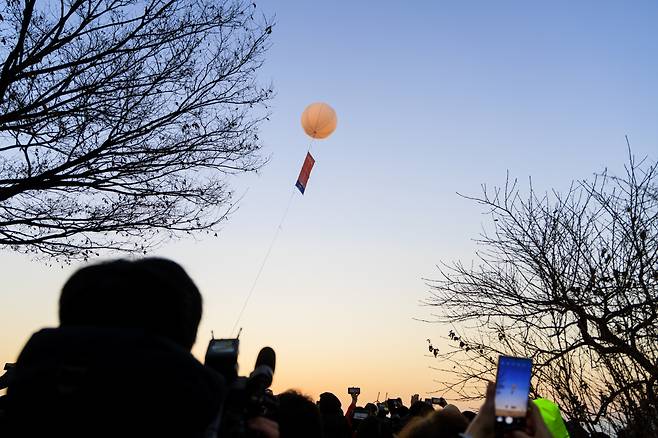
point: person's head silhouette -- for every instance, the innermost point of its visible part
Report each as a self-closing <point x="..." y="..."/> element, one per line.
<point x="151" y="294"/>
<point x="120" y="362"/>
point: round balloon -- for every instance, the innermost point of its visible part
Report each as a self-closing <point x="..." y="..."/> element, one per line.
<point x="319" y="120"/>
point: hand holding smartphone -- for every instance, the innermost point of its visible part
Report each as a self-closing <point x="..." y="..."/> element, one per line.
<point x="512" y="390"/>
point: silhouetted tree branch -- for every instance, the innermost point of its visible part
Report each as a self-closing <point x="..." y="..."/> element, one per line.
<point x="570" y="280"/>
<point x="120" y="120"/>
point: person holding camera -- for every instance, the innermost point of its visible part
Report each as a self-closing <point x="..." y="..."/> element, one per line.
<point x="119" y="364"/>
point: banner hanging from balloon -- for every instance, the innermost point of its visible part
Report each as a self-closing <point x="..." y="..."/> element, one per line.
<point x="319" y="121"/>
<point x="305" y="173"/>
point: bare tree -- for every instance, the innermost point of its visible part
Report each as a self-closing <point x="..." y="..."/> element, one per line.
<point x="571" y="280"/>
<point x="120" y="120"/>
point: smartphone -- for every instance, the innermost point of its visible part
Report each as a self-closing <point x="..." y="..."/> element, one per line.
<point x="360" y="414"/>
<point x="354" y="390"/>
<point x="439" y="401"/>
<point x="512" y="389"/>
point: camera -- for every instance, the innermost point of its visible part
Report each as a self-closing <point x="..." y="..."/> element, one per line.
<point x="393" y="404"/>
<point x="358" y="416"/>
<point x="354" y="390"/>
<point x="247" y="397"/>
<point x="439" y="401"/>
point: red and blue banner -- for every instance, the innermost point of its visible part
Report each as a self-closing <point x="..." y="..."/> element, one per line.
<point x="305" y="173"/>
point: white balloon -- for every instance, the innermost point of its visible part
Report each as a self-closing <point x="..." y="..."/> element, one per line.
<point x="319" y="120"/>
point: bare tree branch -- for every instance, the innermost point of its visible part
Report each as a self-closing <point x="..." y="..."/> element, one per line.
<point x="122" y="119"/>
<point x="570" y="280"/>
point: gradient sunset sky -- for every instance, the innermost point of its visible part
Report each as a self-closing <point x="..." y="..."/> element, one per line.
<point x="433" y="98"/>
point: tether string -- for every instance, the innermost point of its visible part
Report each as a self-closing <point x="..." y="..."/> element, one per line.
<point x="269" y="251"/>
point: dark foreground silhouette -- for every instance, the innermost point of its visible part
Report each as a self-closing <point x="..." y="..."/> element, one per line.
<point x="119" y="365"/>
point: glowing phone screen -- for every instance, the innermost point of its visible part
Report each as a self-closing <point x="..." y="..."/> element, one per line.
<point x="512" y="388"/>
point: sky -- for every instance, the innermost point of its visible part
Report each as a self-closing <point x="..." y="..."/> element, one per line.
<point x="433" y="98"/>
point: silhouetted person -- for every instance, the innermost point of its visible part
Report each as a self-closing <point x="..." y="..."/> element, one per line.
<point x="420" y="409"/>
<point x="446" y="423"/>
<point x="576" y="430"/>
<point x="470" y="415"/>
<point x="298" y="416"/>
<point x="403" y="415"/>
<point x="373" y="427"/>
<point x="372" y="409"/>
<point x="119" y="365"/>
<point x="333" y="422"/>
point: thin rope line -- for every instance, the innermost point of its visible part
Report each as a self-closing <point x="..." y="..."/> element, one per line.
<point x="269" y="250"/>
<point x="262" y="265"/>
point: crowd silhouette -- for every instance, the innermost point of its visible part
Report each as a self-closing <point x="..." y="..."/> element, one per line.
<point x="119" y="365"/>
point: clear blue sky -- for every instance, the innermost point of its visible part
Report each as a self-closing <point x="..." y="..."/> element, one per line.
<point x="432" y="98"/>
